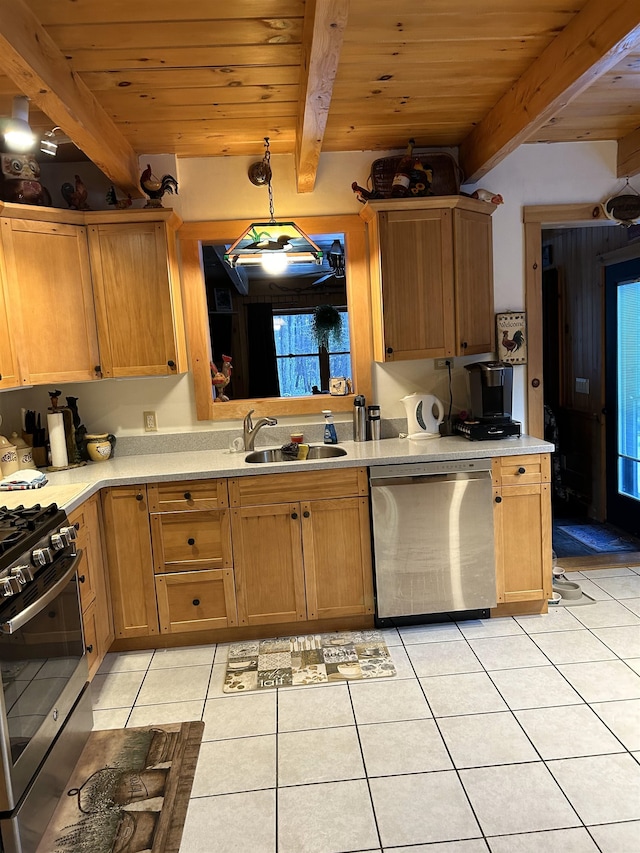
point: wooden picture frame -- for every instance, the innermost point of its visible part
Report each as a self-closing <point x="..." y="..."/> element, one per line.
<point x="511" y="337"/>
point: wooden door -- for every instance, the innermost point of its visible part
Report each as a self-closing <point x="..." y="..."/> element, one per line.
<point x="337" y="557"/>
<point x="9" y="369"/>
<point x="522" y="526"/>
<point x="473" y="276"/>
<point x="267" y="559"/>
<point x="416" y="258"/>
<point x="135" y="303"/>
<point x="48" y="270"/>
<point x="130" y="562"/>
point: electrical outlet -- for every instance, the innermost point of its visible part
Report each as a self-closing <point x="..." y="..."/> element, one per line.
<point x="150" y="422"/>
<point x="442" y="363"/>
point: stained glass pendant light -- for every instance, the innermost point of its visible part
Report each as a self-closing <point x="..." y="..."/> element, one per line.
<point x="272" y="244"/>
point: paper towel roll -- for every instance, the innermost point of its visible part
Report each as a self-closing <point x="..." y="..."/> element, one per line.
<point x="57" y="440"/>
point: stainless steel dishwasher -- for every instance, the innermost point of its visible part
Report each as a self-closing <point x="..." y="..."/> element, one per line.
<point x="433" y="538"/>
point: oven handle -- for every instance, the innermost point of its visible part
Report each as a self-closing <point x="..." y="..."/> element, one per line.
<point x="13" y="625"/>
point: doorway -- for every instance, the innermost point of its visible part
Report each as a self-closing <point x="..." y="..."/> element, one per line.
<point x="566" y="370"/>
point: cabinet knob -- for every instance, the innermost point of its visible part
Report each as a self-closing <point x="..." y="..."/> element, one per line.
<point x="98" y="368"/>
<point x="464" y="344"/>
<point x="196" y="602"/>
<point x="77" y="525"/>
<point x="139" y="497"/>
<point x="81" y="578"/>
<point x="89" y="649"/>
<point x="389" y="350"/>
<point x="294" y="515"/>
<point x="522" y="470"/>
<point x="535" y="383"/>
<point x="0" y="377"/>
<point x="498" y="499"/>
<point x="187" y="496"/>
<point x="171" y="364"/>
<point x="306" y="513"/>
<point x="191" y="541"/>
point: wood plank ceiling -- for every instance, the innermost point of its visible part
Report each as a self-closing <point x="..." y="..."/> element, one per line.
<point x="204" y="79"/>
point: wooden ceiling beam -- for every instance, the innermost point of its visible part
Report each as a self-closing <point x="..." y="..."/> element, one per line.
<point x="594" y="41"/>
<point x="39" y="70"/>
<point x="629" y="154"/>
<point x="323" y="33"/>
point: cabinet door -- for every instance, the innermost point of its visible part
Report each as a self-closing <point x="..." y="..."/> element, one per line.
<point x="522" y="525"/>
<point x="131" y="576"/>
<point x="267" y="560"/>
<point x="48" y="270"/>
<point x="337" y="558"/>
<point x="9" y="371"/>
<point x="137" y="301"/>
<point x="473" y="276"/>
<point x="416" y="257"/>
<point x="196" y="601"/>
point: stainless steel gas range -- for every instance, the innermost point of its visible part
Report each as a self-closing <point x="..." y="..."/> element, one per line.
<point x="45" y="705"/>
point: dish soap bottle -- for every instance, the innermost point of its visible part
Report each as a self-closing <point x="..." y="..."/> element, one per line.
<point x="330" y="435"/>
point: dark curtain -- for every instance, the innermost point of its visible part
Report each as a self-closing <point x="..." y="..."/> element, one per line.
<point x="263" y="373"/>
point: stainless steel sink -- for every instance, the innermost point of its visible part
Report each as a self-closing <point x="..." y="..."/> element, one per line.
<point x="316" y="451"/>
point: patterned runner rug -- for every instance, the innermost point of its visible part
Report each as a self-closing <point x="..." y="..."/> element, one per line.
<point x="313" y="659"/>
<point x="129" y="792"/>
<point x="599" y="538"/>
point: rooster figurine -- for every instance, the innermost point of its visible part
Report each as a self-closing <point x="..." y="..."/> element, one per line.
<point x="512" y="344"/>
<point x="220" y="379"/>
<point x="118" y="203"/>
<point x="155" y="188"/>
<point x="76" y="197"/>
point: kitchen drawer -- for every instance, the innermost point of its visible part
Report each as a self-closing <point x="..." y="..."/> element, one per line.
<point x="196" y="601"/>
<point x="520" y="470"/>
<point x="187" y="495"/>
<point x="298" y="486"/>
<point x="183" y="541"/>
<point x="86" y="580"/>
<point x="90" y="631"/>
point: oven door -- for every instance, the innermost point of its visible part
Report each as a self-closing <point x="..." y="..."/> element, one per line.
<point x="44" y="670"/>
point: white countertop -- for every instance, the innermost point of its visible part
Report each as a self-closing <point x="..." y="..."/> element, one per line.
<point x="70" y="488"/>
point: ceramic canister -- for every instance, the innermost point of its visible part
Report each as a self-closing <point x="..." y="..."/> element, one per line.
<point x="8" y="457"/>
<point x="24" y="452"/>
<point x="98" y="447"/>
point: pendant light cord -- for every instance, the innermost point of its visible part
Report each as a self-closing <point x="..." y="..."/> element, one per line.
<point x="267" y="163"/>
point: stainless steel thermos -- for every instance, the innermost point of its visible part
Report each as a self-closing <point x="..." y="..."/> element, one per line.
<point x="359" y="418"/>
<point x="374" y="422"/>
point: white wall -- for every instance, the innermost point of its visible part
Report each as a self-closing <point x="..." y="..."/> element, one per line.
<point x="218" y="188"/>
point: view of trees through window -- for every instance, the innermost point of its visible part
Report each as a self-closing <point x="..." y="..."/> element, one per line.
<point x="304" y="367"/>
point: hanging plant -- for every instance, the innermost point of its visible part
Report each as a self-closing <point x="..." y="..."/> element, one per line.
<point x="326" y="325"/>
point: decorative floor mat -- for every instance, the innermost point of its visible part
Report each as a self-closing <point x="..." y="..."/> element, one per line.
<point x="128" y="793"/>
<point x="314" y="659"/>
<point x="594" y="536"/>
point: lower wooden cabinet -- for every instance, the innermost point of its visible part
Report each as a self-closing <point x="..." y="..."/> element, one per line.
<point x="196" y="601"/>
<point x="305" y="559"/>
<point x="522" y="525"/>
<point x="131" y="576"/>
<point x="95" y="599"/>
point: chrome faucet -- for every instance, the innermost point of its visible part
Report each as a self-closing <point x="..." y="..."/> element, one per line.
<point x="250" y="431"/>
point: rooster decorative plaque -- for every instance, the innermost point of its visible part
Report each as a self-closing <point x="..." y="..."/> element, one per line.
<point x="511" y="337"/>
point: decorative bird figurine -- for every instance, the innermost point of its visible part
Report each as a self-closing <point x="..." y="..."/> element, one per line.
<point x="76" y="197"/>
<point x="118" y="203"/>
<point x="487" y="195"/>
<point x="155" y="188"/>
<point x="282" y="242"/>
<point x="220" y="379"/>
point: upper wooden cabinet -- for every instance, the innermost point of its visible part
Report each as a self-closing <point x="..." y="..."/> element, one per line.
<point x="432" y="277"/>
<point x="137" y="295"/>
<point x="49" y="290"/>
<point x="88" y="294"/>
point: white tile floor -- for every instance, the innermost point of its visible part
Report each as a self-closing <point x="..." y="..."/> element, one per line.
<point x="512" y="735"/>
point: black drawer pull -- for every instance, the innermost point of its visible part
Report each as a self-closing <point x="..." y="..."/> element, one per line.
<point x="98" y="368"/>
<point x="522" y="470"/>
<point x="196" y="602"/>
<point x="81" y="578"/>
<point x="389" y="350"/>
<point x="187" y="496"/>
<point x="77" y="525"/>
<point x="464" y="344"/>
<point x="294" y="515"/>
<point x="171" y="364"/>
<point x="191" y="541"/>
<point x="139" y="497"/>
<point x="89" y="649"/>
<point x="306" y="513"/>
<point x="498" y="500"/>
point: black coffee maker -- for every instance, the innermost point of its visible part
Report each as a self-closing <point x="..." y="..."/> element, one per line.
<point x="491" y="387"/>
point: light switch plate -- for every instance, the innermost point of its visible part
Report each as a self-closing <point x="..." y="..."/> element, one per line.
<point x="150" y="422"/>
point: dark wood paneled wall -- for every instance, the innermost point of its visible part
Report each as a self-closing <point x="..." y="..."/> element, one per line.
<point x="574" y="254"/>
